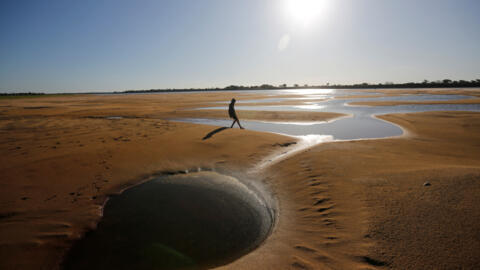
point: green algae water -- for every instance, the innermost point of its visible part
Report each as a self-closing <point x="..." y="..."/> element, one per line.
<point x="191" y="221"/>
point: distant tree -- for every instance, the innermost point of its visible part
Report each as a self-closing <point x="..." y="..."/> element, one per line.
<point x="305" y="85"/>
<point x="283" y="85"/>
<point x="425" y="82"/>
<point x="447" y="81"/>
<point x="267" y="86"/>
<point x="232" y="87"/>
<point x="295" y="85"/>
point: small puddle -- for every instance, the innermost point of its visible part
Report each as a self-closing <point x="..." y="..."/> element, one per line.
<point x="114" y="117"/>
<point x="192" y="221"/>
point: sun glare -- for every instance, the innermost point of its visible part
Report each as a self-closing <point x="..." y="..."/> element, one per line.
<point x="306" y="12"/>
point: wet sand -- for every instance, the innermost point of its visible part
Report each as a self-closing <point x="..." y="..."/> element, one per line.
<point x="474" y="93"/>
<point x="394" y="103"/>
<point x="279" y="116"/>
<point x="342" y="205"/>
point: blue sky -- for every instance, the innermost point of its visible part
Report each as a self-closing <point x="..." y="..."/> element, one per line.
<point x="62" y="45"/>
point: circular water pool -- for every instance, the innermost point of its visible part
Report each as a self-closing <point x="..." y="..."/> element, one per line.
<point x="192" y="221"/>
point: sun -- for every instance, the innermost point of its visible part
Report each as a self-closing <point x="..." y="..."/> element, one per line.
<point x="305" y="12"/>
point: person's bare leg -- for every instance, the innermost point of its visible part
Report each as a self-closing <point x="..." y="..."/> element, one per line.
<point x="233" y="123"/>
<point x="238" y="121"/>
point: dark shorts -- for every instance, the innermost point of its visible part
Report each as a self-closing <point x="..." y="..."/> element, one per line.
<point x="233" y="115"/>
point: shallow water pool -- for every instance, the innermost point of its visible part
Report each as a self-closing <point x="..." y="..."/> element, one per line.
<point x="192" y="221"/>
<point x="362" y="123"/>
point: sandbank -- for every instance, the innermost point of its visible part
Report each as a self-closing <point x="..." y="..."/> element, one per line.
<point x="342" y="205"/>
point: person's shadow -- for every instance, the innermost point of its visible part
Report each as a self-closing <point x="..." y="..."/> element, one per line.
<point x="213" y="132"/>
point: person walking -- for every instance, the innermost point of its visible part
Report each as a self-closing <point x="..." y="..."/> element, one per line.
<point x="233" y="114"/>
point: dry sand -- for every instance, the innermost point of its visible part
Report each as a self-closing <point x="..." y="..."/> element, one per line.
<point x="343" y="205"/>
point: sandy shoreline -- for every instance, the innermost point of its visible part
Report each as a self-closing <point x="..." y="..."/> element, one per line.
<point x="394" y="103"/>
<point x="280" y="116"/>
<point x="344" y="205"/>
<point x="473" y="93"/>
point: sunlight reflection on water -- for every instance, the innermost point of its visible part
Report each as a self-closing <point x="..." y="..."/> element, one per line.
<point x="360" y="125"/>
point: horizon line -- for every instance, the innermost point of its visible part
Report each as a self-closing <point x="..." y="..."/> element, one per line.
<point x="444" y="83"/>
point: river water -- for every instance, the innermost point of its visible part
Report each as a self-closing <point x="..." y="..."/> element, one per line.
<point x="360" y="124"/>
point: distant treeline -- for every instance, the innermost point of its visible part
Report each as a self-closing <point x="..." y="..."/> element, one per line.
<point x="446" y="83"/>
<point x="425" y="84"/>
